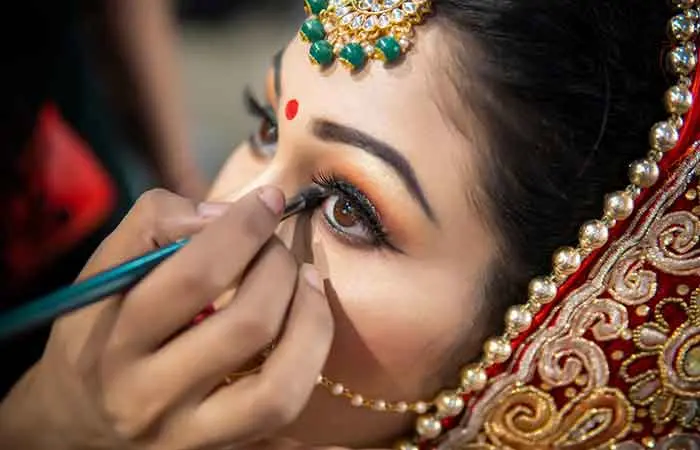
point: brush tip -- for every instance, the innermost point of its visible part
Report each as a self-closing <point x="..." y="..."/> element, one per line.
<point x="313" y="195"/>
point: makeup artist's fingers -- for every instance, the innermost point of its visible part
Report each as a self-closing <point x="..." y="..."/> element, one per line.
<point x="157" y="218"/>
<point x="209" y="264"/>
<point x="236" y="333"/>
<point x="256" y="406"/>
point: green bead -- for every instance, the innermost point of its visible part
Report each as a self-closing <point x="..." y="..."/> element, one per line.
<point x="389" y="48"/>
<point x="315" y="6"/>
<point x="321" y="53"/>
<point x="353" y="56"/>
<point x="312" y="30"/>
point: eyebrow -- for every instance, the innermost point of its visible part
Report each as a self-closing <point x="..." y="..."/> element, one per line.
<point x="334" y="132"/>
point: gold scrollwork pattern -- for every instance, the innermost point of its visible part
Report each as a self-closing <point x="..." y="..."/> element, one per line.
<point x="671" y="384"/>
<point x="573" y="355"/>
<point x="605" y="318"/>
<point x="529" y="419"/>
<point x="617" y="365"/>
<point x="676" y="441"/>
<point x="630" y="283"/>
<point x="565" y="359"/>
<point x="673" y="244"/>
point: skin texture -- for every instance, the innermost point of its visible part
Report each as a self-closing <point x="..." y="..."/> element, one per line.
<point x="404" y="321"/>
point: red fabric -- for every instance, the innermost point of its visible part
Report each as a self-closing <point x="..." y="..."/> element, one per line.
<point x="66" y="195"/>
<point x="689" y="134"/>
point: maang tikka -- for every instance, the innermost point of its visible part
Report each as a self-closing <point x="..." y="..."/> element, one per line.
<point x="354" y="31"/>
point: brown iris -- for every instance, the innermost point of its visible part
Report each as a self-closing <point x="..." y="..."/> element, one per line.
<point x="267" y="133"/>
<point x="344" y="213"/>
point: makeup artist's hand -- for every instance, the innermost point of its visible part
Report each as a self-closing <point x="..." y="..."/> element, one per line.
<point x="123" y="373"/>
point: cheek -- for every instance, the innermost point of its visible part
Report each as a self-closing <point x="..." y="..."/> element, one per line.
<point x="391" y="333"/>
<point x="241" y="167"/>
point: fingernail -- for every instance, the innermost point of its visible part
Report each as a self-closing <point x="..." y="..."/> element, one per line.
<point x="312" y="277"/>
<point x="212" y="209"/>
<point x="273" y="199"/>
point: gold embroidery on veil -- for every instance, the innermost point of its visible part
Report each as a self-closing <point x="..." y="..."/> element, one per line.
<point x="562" y="392"/>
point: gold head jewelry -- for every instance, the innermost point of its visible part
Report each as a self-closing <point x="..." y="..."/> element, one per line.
<point x="354" y="31"/>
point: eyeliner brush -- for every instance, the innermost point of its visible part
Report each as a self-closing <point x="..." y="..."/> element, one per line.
<point x="309" y="198"/>
<point x="93" y="289"/>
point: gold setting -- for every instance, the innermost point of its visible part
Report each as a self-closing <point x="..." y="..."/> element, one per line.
<point x="378" y="29"/>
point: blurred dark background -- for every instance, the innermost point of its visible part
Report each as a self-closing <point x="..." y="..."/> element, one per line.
<point x="225" y="45"/>
<point x="76" y="145"/>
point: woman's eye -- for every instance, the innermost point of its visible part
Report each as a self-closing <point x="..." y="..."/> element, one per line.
<point x="264" y="140"/>
<point x="344" y="219"/>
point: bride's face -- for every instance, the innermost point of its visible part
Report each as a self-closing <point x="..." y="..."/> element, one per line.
<point x="406" y="248"/>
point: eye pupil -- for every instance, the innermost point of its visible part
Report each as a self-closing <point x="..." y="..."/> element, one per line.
<point x="344" y="213"/>
<point x="267" y="132"/>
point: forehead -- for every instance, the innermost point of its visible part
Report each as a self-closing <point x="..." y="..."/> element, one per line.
<point x="373" y="92"/>
<point x="401" y="105"/>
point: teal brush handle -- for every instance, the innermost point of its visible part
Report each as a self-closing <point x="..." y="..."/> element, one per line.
<point x="83" y="293"/>
<point x="91" y="290"/>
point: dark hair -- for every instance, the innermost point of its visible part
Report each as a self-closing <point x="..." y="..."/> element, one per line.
<point x="567" y="92"/>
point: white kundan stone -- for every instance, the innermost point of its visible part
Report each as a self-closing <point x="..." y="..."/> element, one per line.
<point x="397" y="15"/>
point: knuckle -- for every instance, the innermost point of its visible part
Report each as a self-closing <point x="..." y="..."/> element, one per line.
<point x="158" y="205"/>
<point x="190" y="282"/>
<point x="278" y="410"/>
<point x="131" y="419"/>
<point x="196" y="283"/>
<point x="78" y="365"/>
<point x="144" y="214"/>
<point x="151" y="199"/>
<point x="129" y="423"/>
<point x="118" y="344"/>
<point x="216" y="280"/>
<point x="128" y="429"/>
<point x="258" y="330"/>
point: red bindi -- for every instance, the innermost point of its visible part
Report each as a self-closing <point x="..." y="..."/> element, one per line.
<point x="291" y="110"/>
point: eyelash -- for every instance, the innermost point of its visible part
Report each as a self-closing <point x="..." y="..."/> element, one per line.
<point x="264" y="146"/>
<point x="362" y="207"/>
